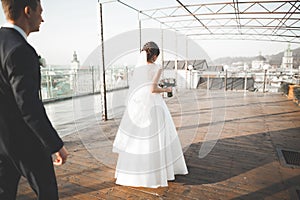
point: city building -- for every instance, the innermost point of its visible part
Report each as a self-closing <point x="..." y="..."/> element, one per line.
<point x="259" y="62"/>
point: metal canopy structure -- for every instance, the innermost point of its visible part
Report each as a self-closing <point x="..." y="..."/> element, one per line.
<point x="265" y="20"/>
<point x="227" y="20"/>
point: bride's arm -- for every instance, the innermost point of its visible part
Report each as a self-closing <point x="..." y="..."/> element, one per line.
<point x="155" y="88"/>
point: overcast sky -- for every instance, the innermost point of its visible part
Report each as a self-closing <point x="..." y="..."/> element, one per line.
<point x="73" y="25"/>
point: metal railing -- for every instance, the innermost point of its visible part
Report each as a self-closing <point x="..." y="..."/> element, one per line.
<point x="57" y="84"/>
<point x="262" y="81"/>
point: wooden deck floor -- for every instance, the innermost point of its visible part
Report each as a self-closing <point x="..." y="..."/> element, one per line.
<point x="242" y="131"/>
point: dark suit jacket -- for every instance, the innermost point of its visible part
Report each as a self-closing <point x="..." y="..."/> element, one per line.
<point x="24" y="125"/>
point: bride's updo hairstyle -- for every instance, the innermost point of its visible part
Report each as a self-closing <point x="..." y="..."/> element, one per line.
<point x="151" y="49"/>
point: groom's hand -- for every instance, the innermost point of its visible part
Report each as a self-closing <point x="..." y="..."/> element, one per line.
<point x="61" y="156"/>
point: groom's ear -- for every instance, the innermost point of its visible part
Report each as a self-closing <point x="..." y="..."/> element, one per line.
<point x="27" y="11"/>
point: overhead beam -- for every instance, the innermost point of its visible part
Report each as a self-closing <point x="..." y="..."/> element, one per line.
<point x="192" y="14"/>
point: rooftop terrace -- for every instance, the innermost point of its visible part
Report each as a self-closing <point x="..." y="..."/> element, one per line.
<point x="240" y="133"/>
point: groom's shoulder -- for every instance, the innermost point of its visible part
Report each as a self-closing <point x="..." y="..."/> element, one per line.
<point x="10" y="37"/>
<point x="10" y="40"/>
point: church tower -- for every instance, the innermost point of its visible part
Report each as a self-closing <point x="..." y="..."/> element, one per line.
<point x="287" y="59"/>
<point x="75" y="64"/>
<point x="74" y="72"/>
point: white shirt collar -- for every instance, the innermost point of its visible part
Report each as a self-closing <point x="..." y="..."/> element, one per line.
<point x="17" y="28"/>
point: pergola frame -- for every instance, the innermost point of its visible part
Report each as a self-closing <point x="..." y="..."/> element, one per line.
<point x="277" y="21"/>
<point x="232" y="20"/>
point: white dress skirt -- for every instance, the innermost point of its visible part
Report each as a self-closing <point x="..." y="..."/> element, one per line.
<point x="149" y="149"/>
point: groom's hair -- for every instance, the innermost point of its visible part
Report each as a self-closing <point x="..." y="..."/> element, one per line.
<point x="151" y="49"/>
<point x="13" y="8"/>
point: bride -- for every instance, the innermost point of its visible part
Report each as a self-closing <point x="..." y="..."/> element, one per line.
<point x="149" y="149"/>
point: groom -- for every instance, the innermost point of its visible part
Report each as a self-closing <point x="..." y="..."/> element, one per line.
<point x="27" y="138"/>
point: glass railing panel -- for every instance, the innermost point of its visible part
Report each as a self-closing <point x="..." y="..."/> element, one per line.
<point x="66" y="83"/>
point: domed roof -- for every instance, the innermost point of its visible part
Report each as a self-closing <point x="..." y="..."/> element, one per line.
<point x="260" y="58"/>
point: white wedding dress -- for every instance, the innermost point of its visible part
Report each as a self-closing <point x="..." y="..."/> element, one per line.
<point x="149" y="149"/>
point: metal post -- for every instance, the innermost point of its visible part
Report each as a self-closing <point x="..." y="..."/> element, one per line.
<point x="191" y="83"/>
<point x="51" y="86"/>
<point x="265" y="77"/>
<point x="176" y="59"/>
<point x="140" y="31"/>
<point x="225" y="80"/>
<point x="48" y="84"/>
<point x="104" y="106"/>
<point x="207" y="82"/>
<point x="93" y="85"/>
<point x="186" y="47"/>
<point x="162" y="53"/>
<point x="75" y="83"/>
<point x="245" y="86"/>
<point x="186" y="57"/>
<point x="112" y="81"/>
